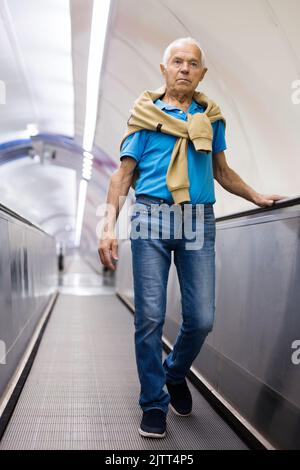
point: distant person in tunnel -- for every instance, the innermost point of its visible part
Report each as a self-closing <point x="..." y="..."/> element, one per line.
<point x="172" y="151"/>
<point x="61" y="259"/>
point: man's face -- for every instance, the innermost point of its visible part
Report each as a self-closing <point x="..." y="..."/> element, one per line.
<point x="184" y="70"/>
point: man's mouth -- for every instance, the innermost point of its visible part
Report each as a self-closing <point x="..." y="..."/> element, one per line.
<point x="184" y="79"/>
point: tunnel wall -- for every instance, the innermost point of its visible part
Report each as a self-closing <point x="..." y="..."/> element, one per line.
<point x="28" y="280"/>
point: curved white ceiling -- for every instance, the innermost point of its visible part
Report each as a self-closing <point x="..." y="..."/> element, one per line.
<point x="36" y="67"/>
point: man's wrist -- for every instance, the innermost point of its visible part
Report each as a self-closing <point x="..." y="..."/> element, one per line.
<point x="108" y="230"/>
<point x="254" y="197"/>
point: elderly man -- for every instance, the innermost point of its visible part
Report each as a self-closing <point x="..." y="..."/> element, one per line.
<point x="172" y="151"/>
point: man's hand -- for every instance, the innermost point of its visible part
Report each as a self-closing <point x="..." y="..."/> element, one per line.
<point x="265" y="200"/>
<point x="108" y="250"/>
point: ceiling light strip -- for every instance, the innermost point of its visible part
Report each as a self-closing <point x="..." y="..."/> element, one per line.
<point x="80" y="210"/>
<point x="97" y="41"/>
<point x="100" y="16"/>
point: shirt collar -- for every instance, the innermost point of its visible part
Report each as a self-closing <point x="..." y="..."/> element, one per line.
<point x="192" y="108"/>
<point x="162" y="105"/>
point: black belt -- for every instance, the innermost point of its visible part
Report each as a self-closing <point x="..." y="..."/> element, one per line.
<point x="156" y="200"/>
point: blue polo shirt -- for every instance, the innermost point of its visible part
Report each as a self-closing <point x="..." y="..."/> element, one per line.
<point x="152" y="151"/>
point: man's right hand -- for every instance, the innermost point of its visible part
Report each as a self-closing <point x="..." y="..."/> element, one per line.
<point x="108" y="250"/>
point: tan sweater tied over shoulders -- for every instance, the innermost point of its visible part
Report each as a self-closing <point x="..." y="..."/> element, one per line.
<point x="146" y="115"/>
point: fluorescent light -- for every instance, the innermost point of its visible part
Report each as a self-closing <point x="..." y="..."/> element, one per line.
<point x="87" y="169"/>
<point x="80" y="210"/>
<point x="87" y="163"/>
<point x="32" y="129"/>
<point x="97" y="40"/>
<point x="87" y="173"/>
<point x="2" y="98"/>
<point x="98" y="33"/>
<point x="88" y="155"/>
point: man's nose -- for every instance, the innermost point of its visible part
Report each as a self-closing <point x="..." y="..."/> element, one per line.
<point x="185" y="68"/>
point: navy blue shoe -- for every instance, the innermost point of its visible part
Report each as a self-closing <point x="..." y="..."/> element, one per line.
<point x="153" y="423"/>
<point x="180" y="398"/>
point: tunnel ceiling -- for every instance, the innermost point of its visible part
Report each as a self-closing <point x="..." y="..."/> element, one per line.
<point x="36" y="66"/>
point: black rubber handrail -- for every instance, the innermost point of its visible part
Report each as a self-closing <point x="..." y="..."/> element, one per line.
<point x="17" y="216"/>
<point x="277" y="205"/>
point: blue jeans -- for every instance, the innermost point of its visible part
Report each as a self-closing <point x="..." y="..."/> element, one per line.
<point x="151" y="259"/>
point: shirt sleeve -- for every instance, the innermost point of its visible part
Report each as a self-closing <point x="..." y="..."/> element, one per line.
<point x="219" y="141"/>
<point x="134" y="145"/>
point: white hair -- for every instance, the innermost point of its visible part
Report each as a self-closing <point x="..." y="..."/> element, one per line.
<point x="177" y="42"/>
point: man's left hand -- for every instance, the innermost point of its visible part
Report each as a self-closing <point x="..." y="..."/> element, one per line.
<point x="265" y="200"/>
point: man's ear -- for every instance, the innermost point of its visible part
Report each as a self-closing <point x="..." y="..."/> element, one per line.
<point x="203" y="73"/>
<point x="162" y="69"/>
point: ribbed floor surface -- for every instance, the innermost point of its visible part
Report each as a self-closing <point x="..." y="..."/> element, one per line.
<point x="82" y="391"/>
